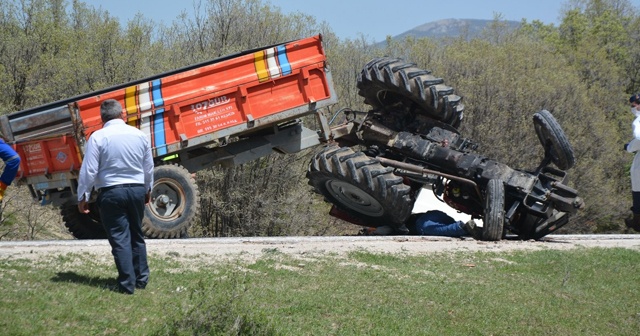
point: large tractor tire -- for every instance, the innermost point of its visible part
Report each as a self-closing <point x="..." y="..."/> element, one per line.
<point x="392" y="84"/>
<point x="554" y="140"/>
<point x="83" y="226"/>
<point x="174" y="203"/>
<point x="360" y="186"/>
<point x="493" y="218"/>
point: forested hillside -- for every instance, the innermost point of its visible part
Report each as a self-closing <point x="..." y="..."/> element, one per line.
<point x="583" y="71"/>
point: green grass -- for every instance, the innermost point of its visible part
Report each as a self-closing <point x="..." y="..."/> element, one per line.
<point x="549" y="292"/>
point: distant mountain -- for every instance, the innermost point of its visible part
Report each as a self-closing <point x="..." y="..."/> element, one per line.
<point x="451" y="28"/>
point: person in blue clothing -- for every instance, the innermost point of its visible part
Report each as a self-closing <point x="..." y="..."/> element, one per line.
<point x="433" y="223"/>
<point x="11" y="164"/>
<point x="438" y="223"/>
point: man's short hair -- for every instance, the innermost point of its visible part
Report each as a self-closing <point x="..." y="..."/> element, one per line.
<point x="635" y="98"/>
<point x="110" y="109"/>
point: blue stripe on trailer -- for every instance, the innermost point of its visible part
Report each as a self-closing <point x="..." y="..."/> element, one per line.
<point x="157" y="93"/>
<point x="158" y="131"/>
<point x="283" y="60"/>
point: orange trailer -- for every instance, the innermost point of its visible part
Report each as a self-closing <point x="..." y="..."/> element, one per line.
<point x="225" y="111"/>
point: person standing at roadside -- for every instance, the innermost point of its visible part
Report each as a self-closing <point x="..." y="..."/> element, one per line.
<point x="118" y="163"/>
<point x="634" y="147"/>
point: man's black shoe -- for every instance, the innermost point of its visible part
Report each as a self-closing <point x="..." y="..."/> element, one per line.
<point x="141" y="285"/>
<point x="118" y="289"/>
<point x="633" y="223"/>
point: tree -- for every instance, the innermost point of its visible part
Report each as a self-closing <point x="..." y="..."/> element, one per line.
<point x="582" y="71"/>
<point x="223" y="27"/>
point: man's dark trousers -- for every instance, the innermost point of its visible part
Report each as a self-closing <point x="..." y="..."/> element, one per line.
<point x="121" y="212"/>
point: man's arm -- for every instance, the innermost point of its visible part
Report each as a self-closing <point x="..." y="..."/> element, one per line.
<point x="633" y="146"/>
<point x="147" y="165"/>
<point x="88" y="173"/>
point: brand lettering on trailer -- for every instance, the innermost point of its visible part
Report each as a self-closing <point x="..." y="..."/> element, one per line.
<point x="213" y="113"/>
<point x="30" y="148"/>
<point x="200" y="107"/>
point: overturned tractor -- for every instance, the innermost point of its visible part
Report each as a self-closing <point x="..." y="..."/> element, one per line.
<point x="409" y="140"/>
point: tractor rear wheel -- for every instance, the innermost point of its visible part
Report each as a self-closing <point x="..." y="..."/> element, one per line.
<point x="360" y="186"/>
<point x="392" y="84"/>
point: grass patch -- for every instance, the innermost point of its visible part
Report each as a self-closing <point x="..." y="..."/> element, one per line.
<point x="576" y="292"/>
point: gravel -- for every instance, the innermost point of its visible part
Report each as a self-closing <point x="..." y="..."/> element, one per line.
<point x="254" y="247"/>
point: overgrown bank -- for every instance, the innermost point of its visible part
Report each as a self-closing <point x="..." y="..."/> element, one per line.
<point x="582" y="71"/>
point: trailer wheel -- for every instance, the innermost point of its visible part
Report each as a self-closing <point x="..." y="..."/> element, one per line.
<point x="174" y="203"/>
<point x="493" y="211"/>
<point x="391" y="83"/>
<point x="83" y="226"/>
<point x="554" y="140"/>
<point x="360" y="186"/>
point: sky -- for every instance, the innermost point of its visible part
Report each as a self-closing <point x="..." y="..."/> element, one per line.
<point x="373" y="19"/>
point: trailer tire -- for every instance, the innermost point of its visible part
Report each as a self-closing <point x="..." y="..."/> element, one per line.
<point x="493" y="220"/>
<point x="391" y="84"/>
<point x="553" y="139"/>
<point x="83" y="226"/>
<point x="174" y="203"/>
<point x="360" y="186"/>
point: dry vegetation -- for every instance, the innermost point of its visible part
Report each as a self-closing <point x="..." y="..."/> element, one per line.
<point x="582" y="71"/>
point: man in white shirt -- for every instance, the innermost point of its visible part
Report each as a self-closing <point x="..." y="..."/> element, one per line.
<point x="119" y="164"/>
<point x="634" y="147"/>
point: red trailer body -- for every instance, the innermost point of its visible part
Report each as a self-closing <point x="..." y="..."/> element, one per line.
<point x="225" y="111"/>
<point x="193" y="107"/>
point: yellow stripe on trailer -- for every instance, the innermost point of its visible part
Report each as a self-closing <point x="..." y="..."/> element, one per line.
<point x="130" y="104"/>
<point x="261" y="67"/>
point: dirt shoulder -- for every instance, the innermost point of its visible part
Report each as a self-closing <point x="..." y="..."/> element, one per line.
<point x="254" y="247"/>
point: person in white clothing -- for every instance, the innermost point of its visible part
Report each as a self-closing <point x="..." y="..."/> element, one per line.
<point x="634" y="147"/>
<point x="119" y="164"/>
